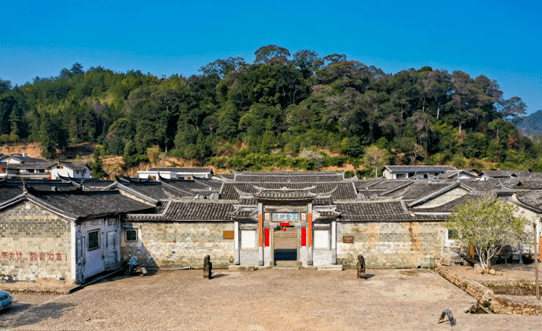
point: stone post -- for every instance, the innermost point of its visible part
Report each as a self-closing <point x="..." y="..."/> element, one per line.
<point x="334" y="242"/>
<point x="260" y="235"/>
<point x="236" y="239"/>
<point x="309" y="234"/>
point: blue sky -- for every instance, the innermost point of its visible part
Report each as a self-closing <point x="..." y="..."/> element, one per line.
<point x="501" y="39"/>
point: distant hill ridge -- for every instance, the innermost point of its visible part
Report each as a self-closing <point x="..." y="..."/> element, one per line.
<point x="532" y="124"/>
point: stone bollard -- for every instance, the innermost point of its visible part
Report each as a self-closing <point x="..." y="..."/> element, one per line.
<point x="207" y="267"/>
<point x="361" y="267"/>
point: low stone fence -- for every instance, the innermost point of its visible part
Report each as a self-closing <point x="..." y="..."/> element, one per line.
<point x="499" y="304"/>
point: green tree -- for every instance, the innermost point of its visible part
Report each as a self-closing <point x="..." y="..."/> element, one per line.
<point x="97" y="170"/>
<point x="375" y="158"/>
<point x="487" y="224"/>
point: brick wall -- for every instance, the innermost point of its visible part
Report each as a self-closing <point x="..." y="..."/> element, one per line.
<point x="34" y="243"/>
<point x="391" y="245"/>
<point x="179" y="244"/>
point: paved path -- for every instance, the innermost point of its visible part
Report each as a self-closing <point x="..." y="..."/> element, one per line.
<point x="261" y="300"/>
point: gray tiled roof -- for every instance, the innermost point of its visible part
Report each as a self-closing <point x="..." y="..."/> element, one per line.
<point x="531" y="184"/>
<point x="288" y="177"/>
<point x="85" y="204"/>
<point x="189" y="185"/>
<point x="43" y="165"/>
<point x="344" y="190"/>
<point x="506" y="173"/>
<point x="77" y="166"/>
<point x="420" y="168"/>
<point x="421" y="189"/>
<point x="8" y="192"/>
<point x="151" y="189"/>
<point x="190" y="211"/>
<point x="381" y="211"/>
<point x="282" y="194"/>
<point x="449" y="206"/>
<point x="367" y="183"/>
<point x="532" y="198"/>
<point x="194" y="170"/>
<point x="389" y="184"/>
<point x="488" y="185"/>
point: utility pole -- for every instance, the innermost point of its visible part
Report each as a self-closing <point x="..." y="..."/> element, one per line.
<point x="536" y="256"/>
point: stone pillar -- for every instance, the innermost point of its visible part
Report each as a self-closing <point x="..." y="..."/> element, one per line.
<point x="309" y="234"/>
<point x="334" y="242"/>
<point x="236" y="243"/>
<point x="260" y="235"/>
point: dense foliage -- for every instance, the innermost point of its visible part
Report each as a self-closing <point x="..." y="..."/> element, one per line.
<point x="489" y="225"/>
<point x="281" y="109"/>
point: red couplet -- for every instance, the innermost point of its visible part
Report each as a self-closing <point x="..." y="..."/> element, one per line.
<point x="303" y="236"/>
<point x="266" y="237"/>
<point x="284" y="224"/>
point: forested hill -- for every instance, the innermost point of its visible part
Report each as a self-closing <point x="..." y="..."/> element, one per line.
<point x="282" y="110"/>
<point x="532" y="124"/>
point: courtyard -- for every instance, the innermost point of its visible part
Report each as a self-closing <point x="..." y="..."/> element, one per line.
<point x="266" y="299"/>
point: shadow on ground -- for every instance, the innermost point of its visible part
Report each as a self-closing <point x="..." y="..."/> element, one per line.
<point x="25" y="314"/>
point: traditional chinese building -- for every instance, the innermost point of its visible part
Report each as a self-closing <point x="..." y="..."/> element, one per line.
<point x="70" y="235"/>
<point x="75" y="228"/>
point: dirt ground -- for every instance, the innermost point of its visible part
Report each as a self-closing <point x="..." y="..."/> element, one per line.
<point x="263" y="300"/>
<point x="510" y="272"/>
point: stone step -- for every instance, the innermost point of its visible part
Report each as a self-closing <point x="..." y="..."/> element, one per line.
<point x="292" y="264"/>
<point x="335" y="267"/>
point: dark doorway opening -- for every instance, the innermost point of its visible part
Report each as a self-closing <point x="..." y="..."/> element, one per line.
<point x="285" y="254"/>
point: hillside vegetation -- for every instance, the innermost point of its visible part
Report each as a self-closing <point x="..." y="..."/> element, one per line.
<point x="291" y="111"/>
<point x="532" y="124"/>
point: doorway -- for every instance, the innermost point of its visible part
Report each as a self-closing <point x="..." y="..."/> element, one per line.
<point x="285" y="244"/>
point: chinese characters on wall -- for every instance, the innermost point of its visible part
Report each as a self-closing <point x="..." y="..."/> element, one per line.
<point x="45" y="257"/>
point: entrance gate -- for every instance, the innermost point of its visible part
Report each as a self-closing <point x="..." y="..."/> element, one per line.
<point x="285" y="244"/>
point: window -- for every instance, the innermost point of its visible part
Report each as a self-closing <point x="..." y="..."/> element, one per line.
<point x="94" y="240"/>
<point x="248" y="239"/>
<point x="321" y="239"/>
<point x="131" y="235"/>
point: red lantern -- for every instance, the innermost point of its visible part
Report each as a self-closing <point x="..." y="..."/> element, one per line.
<point x="48" y="177"/>
<point x="1" y="169"/>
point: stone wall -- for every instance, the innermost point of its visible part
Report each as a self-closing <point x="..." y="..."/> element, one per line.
<point x="179" y="244"/>
<point x="391" y="245"/>
<point x="499" y="304"/>
<point x="34" y="243"/>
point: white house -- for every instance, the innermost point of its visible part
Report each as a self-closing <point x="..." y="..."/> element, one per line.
<point x="418" y="171"/>
<point x="72" y="170"/>
<point x="22" y="166"/>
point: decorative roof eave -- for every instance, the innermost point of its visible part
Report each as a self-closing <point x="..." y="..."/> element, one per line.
<point x="522" y="204"/>
<point x="325" y="213"/>
<point x="245" y="213"/>
<point x="150" y="216"/>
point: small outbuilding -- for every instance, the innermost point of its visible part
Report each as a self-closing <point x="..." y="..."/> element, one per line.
<point x="62" y="235"/>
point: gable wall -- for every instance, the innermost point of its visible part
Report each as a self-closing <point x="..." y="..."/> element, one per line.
<point x="456" y="193"/>
<point x="34" y="243"/>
